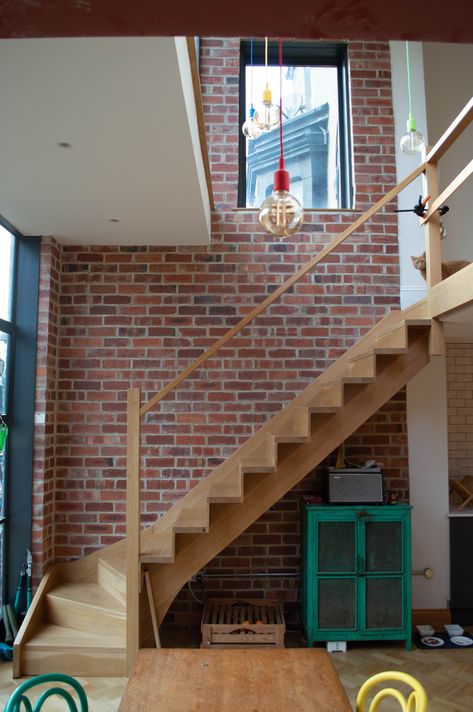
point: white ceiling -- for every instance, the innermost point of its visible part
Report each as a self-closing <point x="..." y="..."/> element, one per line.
<point x="127" y="108"/>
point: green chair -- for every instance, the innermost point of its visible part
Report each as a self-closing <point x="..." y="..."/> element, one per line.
<point x="19" y="700"/>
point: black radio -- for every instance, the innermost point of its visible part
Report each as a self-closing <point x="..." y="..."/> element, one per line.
<point x="357" y="485"/>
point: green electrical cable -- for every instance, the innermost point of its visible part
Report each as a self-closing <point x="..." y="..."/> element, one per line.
<point x="408" y="79"/>
<point x="411" y="124"/>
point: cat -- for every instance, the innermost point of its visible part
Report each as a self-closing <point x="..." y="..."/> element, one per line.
<point x="448" y="268"/>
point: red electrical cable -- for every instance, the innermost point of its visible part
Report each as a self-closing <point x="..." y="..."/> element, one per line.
<point x="281" y="150"/>
<point x="281" y="176"/>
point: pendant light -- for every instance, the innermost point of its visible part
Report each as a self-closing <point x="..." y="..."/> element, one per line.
<point x="268" y="116"/>
<point x="412" y="142"/>
<point x="250" y="128"/>
<point x="281" y="214"/>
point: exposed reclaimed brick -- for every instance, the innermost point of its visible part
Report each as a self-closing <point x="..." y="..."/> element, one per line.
<point x="112" y="317"/>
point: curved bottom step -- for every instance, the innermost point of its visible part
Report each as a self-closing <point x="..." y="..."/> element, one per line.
<point x="73" y="652"/>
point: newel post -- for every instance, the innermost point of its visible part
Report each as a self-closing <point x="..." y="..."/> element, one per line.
<point x="433" y="254"/>
<point x="133" y="573"/>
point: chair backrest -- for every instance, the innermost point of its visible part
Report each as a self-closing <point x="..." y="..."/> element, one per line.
<point x="416" y="702"/>
<point x="19" y="700"/>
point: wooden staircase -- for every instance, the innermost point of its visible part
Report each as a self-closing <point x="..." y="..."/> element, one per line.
<point x="77" y="622"/>
<point x="89" y="617"/>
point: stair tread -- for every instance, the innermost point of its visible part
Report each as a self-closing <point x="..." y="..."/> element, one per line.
<point x="50" y="636"/>
<point x="88" y="594"/>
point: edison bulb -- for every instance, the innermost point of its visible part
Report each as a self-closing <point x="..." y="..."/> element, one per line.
<point x="250" y="128"/>
<point x="412" y="142"/>
<point x="281" y="214"/>
<point x="267" y="116"/>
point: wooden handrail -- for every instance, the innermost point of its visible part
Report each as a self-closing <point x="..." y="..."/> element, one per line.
<point x="442" y="145"/>
<point x="281" y="290"/>
<point x="133" y="577"/>
<point x="455" y="129"/>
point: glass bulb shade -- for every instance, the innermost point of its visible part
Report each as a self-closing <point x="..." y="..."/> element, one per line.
<point x="281" y="214"/>
<point x="412" y="142"/>
<point x="267" y="116"/>
<point x="250" y="128"/>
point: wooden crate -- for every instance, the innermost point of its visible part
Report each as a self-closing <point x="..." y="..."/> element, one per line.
<point x="234" y="623"/>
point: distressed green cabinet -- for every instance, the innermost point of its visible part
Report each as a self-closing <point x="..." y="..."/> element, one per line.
<point x="356" y="575"/>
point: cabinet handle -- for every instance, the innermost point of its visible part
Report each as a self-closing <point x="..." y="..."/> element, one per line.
<point x="363" y="514"/>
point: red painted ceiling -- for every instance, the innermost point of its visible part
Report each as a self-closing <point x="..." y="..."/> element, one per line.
<point x="434" y="20"/>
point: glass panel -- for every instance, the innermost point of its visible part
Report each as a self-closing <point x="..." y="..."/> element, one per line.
<point x="383" y="546"/>
<point x="2" y="486"/>
<point x="7" y="243"/>
<point x="310" y="125"/>
<point x="337" y="603"/>
<point x="336" y="542"/>
<point x="4" y="339"/>
<point x="2" y="562"/>
<point x="383" y="603"/>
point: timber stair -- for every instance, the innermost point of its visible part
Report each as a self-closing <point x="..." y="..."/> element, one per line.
<point x="80" y="613"/>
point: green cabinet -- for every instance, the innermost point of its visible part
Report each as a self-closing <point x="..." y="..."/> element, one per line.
<point x="356" y="574"/>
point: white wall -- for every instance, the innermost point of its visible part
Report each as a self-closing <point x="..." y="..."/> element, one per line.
<point x="411" y="235"/>
<point x="428" y="468"/>
<point x="448" y="87"/>
<point x="441" y="85"/>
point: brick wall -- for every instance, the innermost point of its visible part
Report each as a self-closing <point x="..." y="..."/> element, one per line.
<point x="135" y="316"/>
<point x="44" y="454"/>
<point x="459" y="410"/>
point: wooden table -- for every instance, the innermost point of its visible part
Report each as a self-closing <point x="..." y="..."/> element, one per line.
<point x="226" y="680"/>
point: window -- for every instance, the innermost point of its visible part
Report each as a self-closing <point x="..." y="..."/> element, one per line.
<point x="7" y="251"/>
<point x="19" y="279"/>
<point x="317" y="147"/>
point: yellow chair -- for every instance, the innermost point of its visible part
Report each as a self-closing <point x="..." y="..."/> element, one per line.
<point x="416" y="702"/>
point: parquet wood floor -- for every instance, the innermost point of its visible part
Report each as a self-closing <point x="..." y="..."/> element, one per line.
<point x="447" y="675"/>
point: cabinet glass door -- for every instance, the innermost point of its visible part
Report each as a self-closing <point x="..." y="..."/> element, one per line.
<point x="336" y="547"/>
<point x="383" y="547"/>
<point x="383" y="605"/>
<point x="336" y="594"/>
<point x="336" y="607"/>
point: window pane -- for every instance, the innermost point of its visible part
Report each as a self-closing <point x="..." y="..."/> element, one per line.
<point x="2" y="562"/>
<point x="4" y="340"/>
<point x="311" y="135"/>
<point x="2" y="489"/>
<point x="7" y="242"/>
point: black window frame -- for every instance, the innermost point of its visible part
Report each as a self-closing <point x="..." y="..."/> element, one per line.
<point x="18" y="482"/>
<point x="308" y="54"/>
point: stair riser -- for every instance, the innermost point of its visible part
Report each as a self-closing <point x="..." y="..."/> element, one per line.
<point x="75" y="615"/>
<point x="223" y="492"/>
<point x="86" y="663"/>
<point x="112" y="581"/>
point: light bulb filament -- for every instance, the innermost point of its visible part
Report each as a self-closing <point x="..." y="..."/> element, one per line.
<point x="280" y="214"/>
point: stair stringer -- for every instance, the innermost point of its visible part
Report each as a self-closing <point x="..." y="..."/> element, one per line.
<point x="228" y="520"/>
<point x="157" y="541"/>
